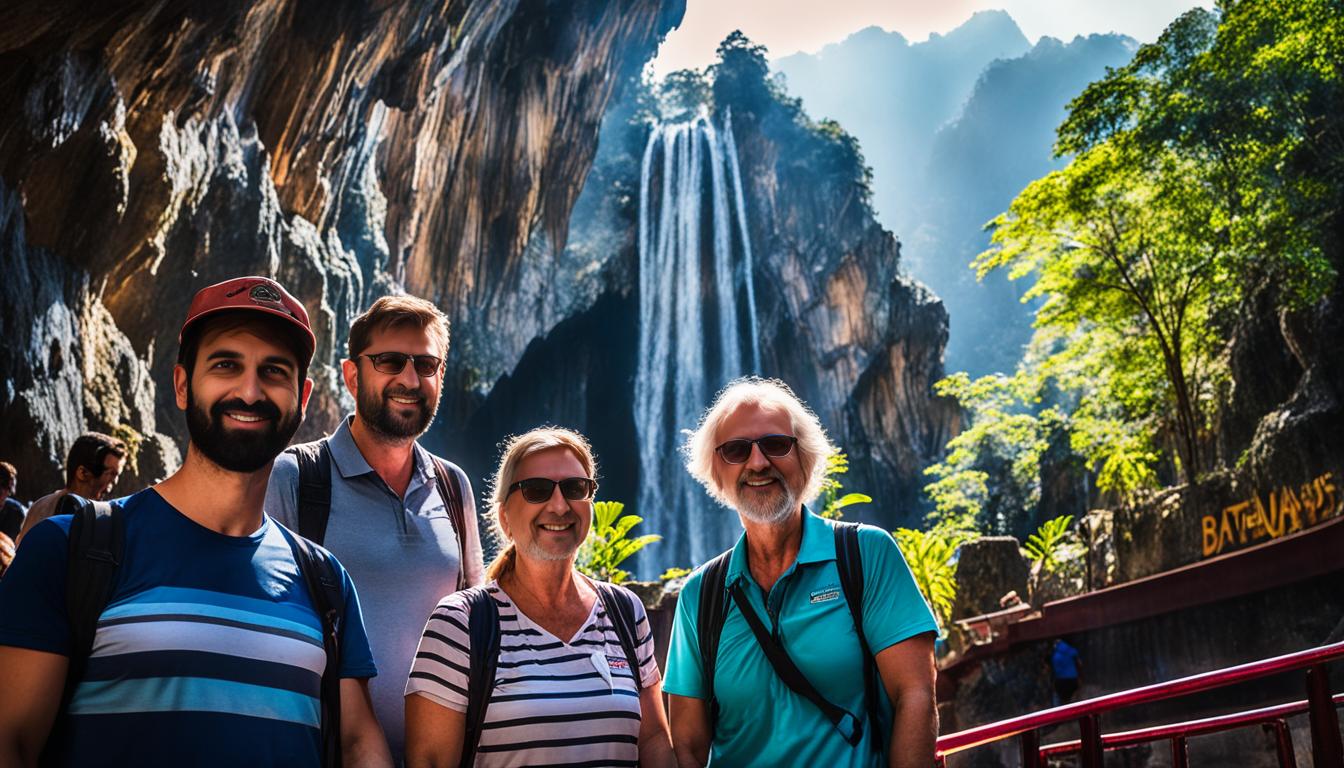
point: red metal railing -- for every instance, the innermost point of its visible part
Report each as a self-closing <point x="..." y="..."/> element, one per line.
<point x="1274" y="717"/>
<point x="1327" y="750"/>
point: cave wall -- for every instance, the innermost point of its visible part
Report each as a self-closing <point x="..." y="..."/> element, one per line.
<point x="347" y="148"/>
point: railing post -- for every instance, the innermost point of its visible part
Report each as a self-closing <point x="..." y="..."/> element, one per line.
<point x="1180" y="756"/>
<point x="1090" y="731"/>
<point x="1283" y="743"/>
<point x="1031" y="749"/>
<point x="1326" y="749"/>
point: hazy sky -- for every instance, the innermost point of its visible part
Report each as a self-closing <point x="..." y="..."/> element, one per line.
<point x="789" y="26"/>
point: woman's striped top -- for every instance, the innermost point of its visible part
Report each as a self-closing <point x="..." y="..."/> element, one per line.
<point x="554" y="703"/>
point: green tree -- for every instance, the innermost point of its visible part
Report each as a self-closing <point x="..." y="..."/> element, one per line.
<point x="1191" y="186"/>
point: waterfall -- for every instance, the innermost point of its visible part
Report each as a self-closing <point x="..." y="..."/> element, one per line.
<point x="697" y="315"/>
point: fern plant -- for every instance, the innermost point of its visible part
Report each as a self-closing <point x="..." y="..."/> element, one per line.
<point x="609" y="543"/>
<point x="931" y="557"/>
<point x="1043" y="546"/>
<point x="830" y="501"/>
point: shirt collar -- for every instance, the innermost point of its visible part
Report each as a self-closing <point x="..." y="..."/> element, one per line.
<point x="351" y="463"/>
<point x="817" y="546"/>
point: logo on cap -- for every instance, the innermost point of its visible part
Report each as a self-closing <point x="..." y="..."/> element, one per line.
<point x="262" y="293"/>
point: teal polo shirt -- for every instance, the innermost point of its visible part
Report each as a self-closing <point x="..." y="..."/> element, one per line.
<point x="761" y="721"/>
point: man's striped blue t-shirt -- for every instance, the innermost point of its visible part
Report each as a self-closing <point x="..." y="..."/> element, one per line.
<point x="209" y="652"/>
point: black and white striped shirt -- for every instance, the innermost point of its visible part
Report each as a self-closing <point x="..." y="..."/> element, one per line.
<point x="554" y="703"/>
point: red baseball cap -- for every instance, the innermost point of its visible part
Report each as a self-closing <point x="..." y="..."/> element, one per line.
<point x="260" y="294"/>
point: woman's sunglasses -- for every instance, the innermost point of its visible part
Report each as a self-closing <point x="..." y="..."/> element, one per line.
<point x="773" y="446"/>
<point x="393" y="363"/>
<point x="536" y="490"/>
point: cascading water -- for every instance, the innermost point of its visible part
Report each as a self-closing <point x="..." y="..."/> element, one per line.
<point x="697" y="326"/>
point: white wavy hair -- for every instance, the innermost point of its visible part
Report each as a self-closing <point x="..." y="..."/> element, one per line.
<point x="813" y="447"/>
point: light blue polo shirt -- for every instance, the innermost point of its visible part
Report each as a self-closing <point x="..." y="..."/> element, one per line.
<point x="761" y="721"/>
<point x="402" y="552"/>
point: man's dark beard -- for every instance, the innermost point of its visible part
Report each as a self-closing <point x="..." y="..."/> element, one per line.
<point x="239" y="450"/>
<point x="377" y="412"/>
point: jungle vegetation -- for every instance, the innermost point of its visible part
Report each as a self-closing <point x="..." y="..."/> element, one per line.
<point x="1204" y="182"/>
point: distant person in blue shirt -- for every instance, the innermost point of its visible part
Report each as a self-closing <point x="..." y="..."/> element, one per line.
<point x="761" y="452"/>
<point x="1065" y="666"/>
<point x="209" y="652"/>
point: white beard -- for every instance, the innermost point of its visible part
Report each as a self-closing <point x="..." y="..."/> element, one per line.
<point x="766" y="512"/>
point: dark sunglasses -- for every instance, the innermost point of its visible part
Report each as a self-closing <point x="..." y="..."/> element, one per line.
<point x="393" y="363"/>
<point x="773" y="446"/>
<point x="536" y="490"/>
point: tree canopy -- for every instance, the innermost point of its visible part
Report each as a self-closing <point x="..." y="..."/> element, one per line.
<point x="1206" y="172"/>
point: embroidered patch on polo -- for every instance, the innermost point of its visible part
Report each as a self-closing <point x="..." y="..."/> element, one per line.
<point x="824" y="595"/>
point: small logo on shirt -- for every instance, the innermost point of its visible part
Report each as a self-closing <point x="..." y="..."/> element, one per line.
<point x="617" y="662"/>
<point x="825" y="595"/>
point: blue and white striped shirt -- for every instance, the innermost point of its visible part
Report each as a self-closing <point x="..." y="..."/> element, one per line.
<point x="209" y="652"/>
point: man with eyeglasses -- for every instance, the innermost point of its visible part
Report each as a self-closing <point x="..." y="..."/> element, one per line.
<point x="808" y="643"/>
<point x="402" y="521"/>
<point x="92" y="467"/>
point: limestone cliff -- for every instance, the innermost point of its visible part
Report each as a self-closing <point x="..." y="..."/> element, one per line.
<point x="148" y="149"/>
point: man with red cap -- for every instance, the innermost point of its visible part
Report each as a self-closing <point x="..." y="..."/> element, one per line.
<point x="223" y="639"/>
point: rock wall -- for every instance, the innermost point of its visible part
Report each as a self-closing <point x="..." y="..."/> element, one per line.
<point x="860" y="341"/>
<point x="347" y="148"/>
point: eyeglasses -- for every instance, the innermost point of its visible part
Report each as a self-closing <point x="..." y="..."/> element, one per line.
<point x="536" y="490"/>
<point x="393" y="363"/>
<point x="773" y="446"/>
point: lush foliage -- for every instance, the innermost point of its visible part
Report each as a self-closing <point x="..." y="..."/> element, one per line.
<point x="609" y="543"/>
<point x="1205" y="175"/>
<point x="931" y="556"/>
<point x="831" y="501"/>
<point x="1044" y="545"/>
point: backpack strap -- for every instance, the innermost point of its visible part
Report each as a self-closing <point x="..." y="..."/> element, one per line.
<point x="450" y="490"/>
<point x="324" y="589"/>
<point x="96" y="543"/>
<point x="849" y="726"/>
<point x="849" y="562"/>
<point x="483" y="629"/>
<point x="709" y="624"/>
<point x="314" y="502"/>
<point x="620" y="609"/>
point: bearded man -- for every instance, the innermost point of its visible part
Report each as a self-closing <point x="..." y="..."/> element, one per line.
<point x="209" y="648"/>
<point x="814" y="666"/>
<point x="402" y="520"/>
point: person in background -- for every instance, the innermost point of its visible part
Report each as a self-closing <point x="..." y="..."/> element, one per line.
<point x="761" y="452"/>
<point x="208" y="649"/>
<point x="565" y="692"/>
<point x="393" y="507"/>
<point x="1065" y="667"/>
<point x="12" y="511"/>
<point x="92" y="466"/>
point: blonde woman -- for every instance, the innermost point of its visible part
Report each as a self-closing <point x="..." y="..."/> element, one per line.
<point x="567" y="687"/>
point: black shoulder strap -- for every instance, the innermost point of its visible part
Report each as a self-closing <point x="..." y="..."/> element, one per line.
<point x="324" y="589"/>
<point x="849" y="561"/>
<point x="621" y="612"/>
<point x="483" y="629"/>
<point x="709" y="623"/>
<point x="450" y="490"/>
<point x="97" y="539"/>
<point x="849" y="726"/>
<point x="314" y="500"/>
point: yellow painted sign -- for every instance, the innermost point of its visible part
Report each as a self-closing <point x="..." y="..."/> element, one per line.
<point x="1282" y="511"/>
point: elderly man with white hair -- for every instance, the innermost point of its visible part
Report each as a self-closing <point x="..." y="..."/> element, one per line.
<point x="822" y="643"/>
